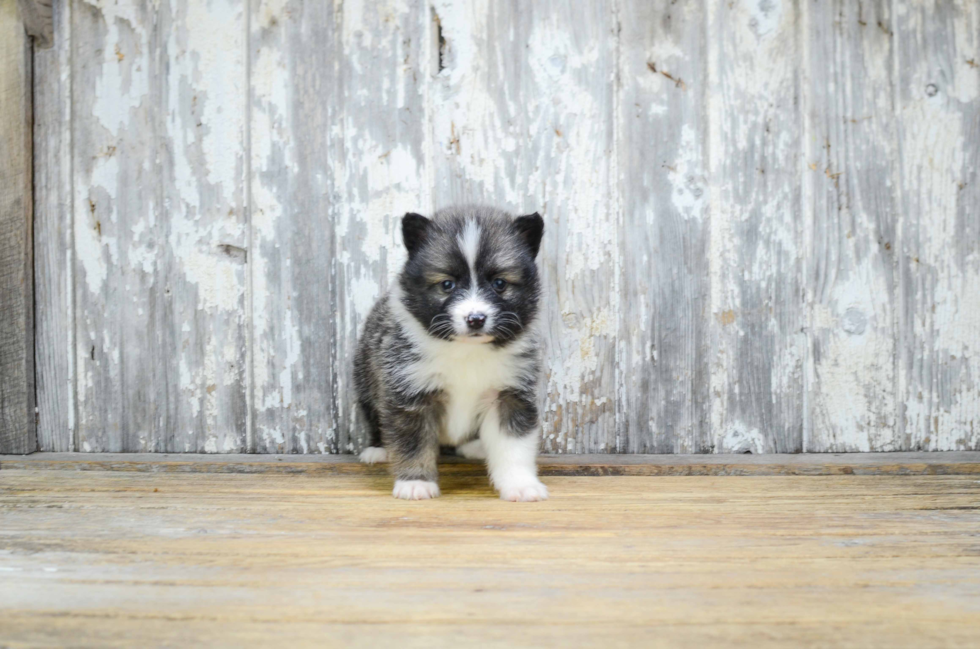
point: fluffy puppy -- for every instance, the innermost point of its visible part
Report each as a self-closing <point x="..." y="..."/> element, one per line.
<point x="450" y="355"/>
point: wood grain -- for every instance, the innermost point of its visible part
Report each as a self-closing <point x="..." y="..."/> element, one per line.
<point x="54" y="264"/>
<point x="568" y="96"/>
<point x="772" y="464"/>
<point x="938" y="104"/>
<point x="755" y="253"/>
<point x="17" y="427"/>
<point x="851" y="182"/>
<point x="296" y="197"/>
<point x="663" y="241"/>
<point x="116" y="559"/>
<point x="159" y="226"/>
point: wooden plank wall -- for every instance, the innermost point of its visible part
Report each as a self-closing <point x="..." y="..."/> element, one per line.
<point x="763" y="218"/>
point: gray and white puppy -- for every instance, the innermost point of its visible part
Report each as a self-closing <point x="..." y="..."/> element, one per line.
<point x="450" y="354"/>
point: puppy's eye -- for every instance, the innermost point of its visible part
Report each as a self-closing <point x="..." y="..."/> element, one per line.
<point x="448" y="285"/>
<point x="499" y="284"/>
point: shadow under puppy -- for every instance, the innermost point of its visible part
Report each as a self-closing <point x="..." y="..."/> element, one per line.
<point x="450" y="355"/>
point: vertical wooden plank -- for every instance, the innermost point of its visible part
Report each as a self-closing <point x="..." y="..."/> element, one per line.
<point x="159" y="235"/>
<point x="53" y="264"/>
<point x="564" y="94"/>
<point x="938" y="97"/>
<point x="664" y="235"/>
<point x="327" y="206"/>
<point x="523" y="117"/>
<point x="385" y="66"/>
<point x="851" y="155"/>
<point x="476" y="101"/>
<point x="206" y="122"/>
<point x="296" y="104"/>
<point x="17" y="429"/>
<point x="113" y="135"/>
<point x="755" y="257"/>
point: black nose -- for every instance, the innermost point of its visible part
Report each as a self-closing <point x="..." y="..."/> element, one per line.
<point x="476" y="321"/>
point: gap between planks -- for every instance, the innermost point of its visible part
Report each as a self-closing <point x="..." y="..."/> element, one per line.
<point x="813" y="464"/>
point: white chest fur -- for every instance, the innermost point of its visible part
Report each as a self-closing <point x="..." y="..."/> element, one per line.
<point x="471" y="376"/>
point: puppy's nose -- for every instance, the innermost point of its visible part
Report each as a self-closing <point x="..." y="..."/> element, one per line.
<point x="475" y="321"/>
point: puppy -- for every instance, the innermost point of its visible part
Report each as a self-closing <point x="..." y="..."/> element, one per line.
<point x="450" y="355"/>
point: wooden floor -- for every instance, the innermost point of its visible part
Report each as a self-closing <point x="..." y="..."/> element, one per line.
<point x="181" y="558"/>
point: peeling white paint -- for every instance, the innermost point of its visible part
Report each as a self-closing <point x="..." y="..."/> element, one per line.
<point x="738" y="438"/>
<point x="527" y="113"/>
<point x="689" y="191"/>
<point x="572" y="368"/>
<point x="124" y="81"/>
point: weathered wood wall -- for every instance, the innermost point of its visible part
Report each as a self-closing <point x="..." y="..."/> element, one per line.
<point x="17" y="425"/>
<point x="763" y="218"/>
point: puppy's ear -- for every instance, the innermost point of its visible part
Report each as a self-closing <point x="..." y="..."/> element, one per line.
<point x="415" y="229"/>
<point x="530" y="228"/>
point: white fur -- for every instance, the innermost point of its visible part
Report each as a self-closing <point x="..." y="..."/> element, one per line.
<point x="511" y="461"/>
<point x="469" y="244"/>
<point x="472" y="450"/>
<point x="415" y="489"/>
<point x="373" y="455"/>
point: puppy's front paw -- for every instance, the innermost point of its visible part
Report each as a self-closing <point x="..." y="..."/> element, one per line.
<point x="525" y="490"/>
<point x="374" y="455"/>
<point x="415" y="489"/>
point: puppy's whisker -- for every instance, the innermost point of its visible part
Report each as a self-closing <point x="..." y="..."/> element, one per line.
<point x="439" y="322"/>
<point x="511" y="316"/>
<point x="506" y="331"/>
<point x="441" y="329"/>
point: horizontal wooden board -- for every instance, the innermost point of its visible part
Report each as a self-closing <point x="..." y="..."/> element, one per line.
<point x="155" y="559"/>
<point x="950" y="463"/>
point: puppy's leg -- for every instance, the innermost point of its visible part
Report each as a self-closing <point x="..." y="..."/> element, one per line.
<point x="374" y="452"/>
<point x="510" y="435"/>
<point x="412" y="441"/>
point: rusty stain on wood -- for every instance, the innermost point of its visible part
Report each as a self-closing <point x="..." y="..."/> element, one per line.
<point x="677" y="82"/>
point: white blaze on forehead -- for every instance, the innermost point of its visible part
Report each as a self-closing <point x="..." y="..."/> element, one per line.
<point x="469" y="244"/>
